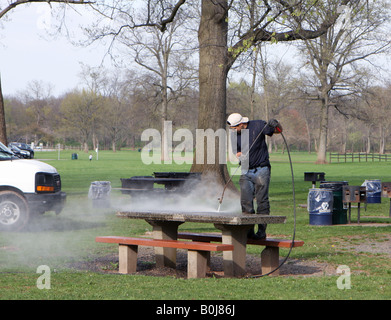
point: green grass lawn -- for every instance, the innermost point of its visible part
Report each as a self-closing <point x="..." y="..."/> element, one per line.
<point x="60" y="241"/>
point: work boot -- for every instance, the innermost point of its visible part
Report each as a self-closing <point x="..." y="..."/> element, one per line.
<point x="261" y="233"/>
<point x="259" y="236"/>
<point x="251" y="233"/>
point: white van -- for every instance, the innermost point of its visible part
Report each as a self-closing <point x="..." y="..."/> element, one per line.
<point x="27" y="187"/>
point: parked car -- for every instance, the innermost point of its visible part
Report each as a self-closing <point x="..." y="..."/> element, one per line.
<point x="23" y="146"/>
<point x="27" y="187"/>
<point x="22" y="154"/>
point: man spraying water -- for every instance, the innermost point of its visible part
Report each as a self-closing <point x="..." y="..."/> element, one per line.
<point x="255" y="178"/>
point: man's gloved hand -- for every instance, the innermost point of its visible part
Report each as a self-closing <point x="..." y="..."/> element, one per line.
<point x="272" y="123"/>
<point x="242" y="159"/>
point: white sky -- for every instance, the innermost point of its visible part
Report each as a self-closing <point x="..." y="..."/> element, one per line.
<point x="25" y="54"/>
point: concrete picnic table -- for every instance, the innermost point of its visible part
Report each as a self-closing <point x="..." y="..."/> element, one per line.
<point x="233" y="225"/>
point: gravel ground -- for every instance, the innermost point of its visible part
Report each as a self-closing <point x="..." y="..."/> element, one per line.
<point x="292" y="267"/>
<point x="382" y="245"/>
<point x="146" y="265"/>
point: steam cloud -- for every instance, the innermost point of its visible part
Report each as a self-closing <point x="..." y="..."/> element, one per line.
<point x="200" y="197"/>
<point x="57" y="241"/>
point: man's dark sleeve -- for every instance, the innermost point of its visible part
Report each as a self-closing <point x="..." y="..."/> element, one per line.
<point x="234" y="143"/>
<point x="268" y="130"/>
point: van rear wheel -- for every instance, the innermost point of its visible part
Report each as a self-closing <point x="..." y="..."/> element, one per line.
<point x="14" y="211"/>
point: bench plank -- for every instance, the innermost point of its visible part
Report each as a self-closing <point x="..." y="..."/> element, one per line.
<point x="193" y="245"/>
<point x="269" y="242"/>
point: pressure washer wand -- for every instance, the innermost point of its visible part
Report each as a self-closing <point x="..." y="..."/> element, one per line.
<point x="225" y="187"/>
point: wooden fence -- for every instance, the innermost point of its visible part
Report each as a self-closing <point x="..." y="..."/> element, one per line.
<point x="358" y="157"/>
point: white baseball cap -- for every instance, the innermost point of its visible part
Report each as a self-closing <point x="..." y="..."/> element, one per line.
<point x="235" y="119"/>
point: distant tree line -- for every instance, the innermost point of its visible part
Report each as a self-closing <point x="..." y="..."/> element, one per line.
<point x="184" y="59"/>
<point x="111" y="112"/>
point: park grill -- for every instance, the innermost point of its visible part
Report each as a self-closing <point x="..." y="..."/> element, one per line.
<point x="386" y="192"/>
<point x="313" y="177"/>
<point x="354" y="194"/>
<point x="386" y="189"/>
<point x="172" y="182"/>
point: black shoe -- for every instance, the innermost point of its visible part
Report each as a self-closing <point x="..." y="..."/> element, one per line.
<point x="251" y="211"/>
<point x="256" y="236"/>
<point x="259" y="236"/>
<point x="250" y="234"/>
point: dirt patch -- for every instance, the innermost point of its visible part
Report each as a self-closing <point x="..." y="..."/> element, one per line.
<point x="378" y="245"/>
<point x="146" y="265"/>
<point x="381" y="245"/>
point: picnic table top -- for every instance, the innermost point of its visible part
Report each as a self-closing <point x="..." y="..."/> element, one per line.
<point x="222" y="217"/>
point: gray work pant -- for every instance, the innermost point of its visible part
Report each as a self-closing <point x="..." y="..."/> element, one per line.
<point x="255" y="184"/>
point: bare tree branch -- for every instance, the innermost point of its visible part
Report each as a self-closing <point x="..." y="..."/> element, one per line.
<point x="14" y="4"/>
<point x="261" y="34"/>
<point x="164" y="22"/>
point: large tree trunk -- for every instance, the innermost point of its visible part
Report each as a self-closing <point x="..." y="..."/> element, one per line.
<point x="213" y="69"/>
<point x="3" y="128"/>
<point x="324" y="124"/>
<point x="382" y="140"/>
<point x="368" y="144"/>
<point x="165" y="152"/>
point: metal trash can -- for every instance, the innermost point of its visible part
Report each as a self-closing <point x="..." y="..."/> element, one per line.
<point x="373" y="188"/>
<point x="320" y="206"/>
<point x="100" y="194"/>
<point x="339" y="209"/>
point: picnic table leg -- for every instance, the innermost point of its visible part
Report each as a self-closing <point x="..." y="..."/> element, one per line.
<point x="127" y="259"/>
<point x="196" y="263"/>
<point x="270" y="260"/>
<point x="234" y="261"/>
<point x="167" y="230"/>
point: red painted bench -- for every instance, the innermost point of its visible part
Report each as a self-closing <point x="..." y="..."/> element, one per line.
<point x="269" y="256"/>
<point x="198" y="252"/>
